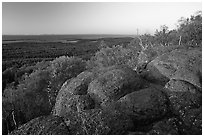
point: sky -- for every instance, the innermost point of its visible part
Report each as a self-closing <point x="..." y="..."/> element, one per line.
<point x="33" y="18"/>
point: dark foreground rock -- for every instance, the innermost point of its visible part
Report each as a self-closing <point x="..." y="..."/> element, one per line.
<point x="143" y="106"/>
<point x="191" y="122"/>
<point x="186" y="104"/>
<point x="165" y="127"/>
<point x="183" y="96"/>
<point x="45" y="125"/>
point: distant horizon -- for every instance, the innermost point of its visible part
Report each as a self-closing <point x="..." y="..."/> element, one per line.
<point x="64" y="34"/>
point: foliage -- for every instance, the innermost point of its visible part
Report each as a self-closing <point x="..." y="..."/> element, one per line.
<point x="191" y="29"/>
<point x="102" y="44"/>
<point x="36" y="92"/>
<point x="30" y="98"/>
<point x="162" y="35"/>
<point x="117" y="55"/>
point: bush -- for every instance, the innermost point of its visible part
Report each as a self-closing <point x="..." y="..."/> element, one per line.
<point x="35" y="95"/>
<point x="117" y="55"/>
<point x="28" y="101"/>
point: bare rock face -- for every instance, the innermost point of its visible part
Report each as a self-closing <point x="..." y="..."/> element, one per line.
<point x="144" y="105"/>
<point x="180" y="64"/>
<point x="44" y="125"/>
<point x="98" y="122"/>
<point x="114" y="84"/>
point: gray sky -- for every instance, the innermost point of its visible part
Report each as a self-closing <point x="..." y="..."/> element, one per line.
<point x="92" y="18"/>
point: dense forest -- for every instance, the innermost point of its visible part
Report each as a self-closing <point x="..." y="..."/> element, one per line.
<point x="150" y="84"/>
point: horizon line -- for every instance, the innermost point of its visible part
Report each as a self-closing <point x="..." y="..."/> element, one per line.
<point x="71" y="34"/>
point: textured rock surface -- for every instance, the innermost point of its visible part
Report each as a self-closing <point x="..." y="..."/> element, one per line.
<point x="191" y="122"/>
<point x="183" y="96"/>
<point x="98" y="122"/>
<point x="186" y="102"/>
<point x="180" y="64"/>
<point x="73" y="95"/>
<point x="74" y="103"/>
<point x="45" y="125"/>
<point x="165" y="127"/>
<point x="114" y="84"/>
<point x="78" y="85"/>
<point x="144" y="105"/>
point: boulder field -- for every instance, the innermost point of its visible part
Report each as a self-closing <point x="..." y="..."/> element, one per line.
<point x="163" y="99"/>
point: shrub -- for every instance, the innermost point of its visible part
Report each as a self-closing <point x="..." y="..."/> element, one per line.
<point x="29" y="100"/>
<point x="117" y="55"/>
<point x="35" y="95"/>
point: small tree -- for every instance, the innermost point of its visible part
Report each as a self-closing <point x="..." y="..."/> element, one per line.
<point x="162" y="35"/>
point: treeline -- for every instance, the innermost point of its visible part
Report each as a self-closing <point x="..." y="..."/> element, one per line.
<point x="188" y="32"/>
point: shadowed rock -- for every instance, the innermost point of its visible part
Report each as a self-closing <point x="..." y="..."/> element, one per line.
<point x="165" y="127"/>
<point x="144" y="105"/>
<point x="191" y="122"/>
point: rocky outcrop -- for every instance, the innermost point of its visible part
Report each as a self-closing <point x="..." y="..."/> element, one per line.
<point x="164" y="99"/>
<point x="179" y="64"/>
